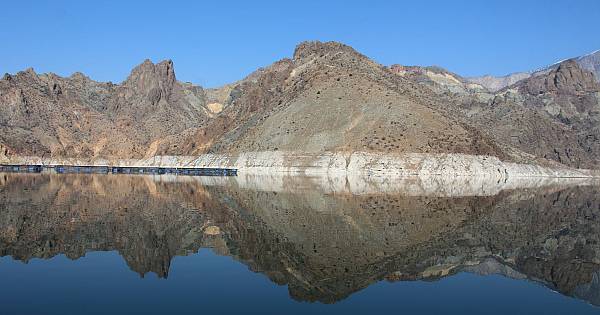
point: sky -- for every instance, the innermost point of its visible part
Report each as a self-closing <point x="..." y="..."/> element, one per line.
<point x="218" y="42"/>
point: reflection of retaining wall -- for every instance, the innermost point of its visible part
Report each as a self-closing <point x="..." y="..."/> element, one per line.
<point x="424" y="185"/>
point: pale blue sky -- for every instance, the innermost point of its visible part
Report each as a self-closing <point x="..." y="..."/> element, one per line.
<point x="222" y="41"/>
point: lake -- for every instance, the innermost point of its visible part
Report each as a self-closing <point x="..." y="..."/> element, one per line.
<point x="141" y="244"/>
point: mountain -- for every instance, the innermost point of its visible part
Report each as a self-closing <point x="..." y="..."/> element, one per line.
<point x="553" y="115"/>
<point x="326" y="98"/>
<point x="589" y="62"/>
<point x="331" y="98"/>
<point x="48" y="115"/>
<point x="495" y="84"/>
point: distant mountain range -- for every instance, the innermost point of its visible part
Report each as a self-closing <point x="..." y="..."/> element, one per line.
<point x="589" y="62"/>
<point x="326" y="98"/>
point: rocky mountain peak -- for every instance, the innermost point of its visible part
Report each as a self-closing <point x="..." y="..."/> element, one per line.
<point x="155" y="81"/>
<point x="28" y="73"/>
<point x="591" y="62"/>
<point x="149" y="72"/>
<point x="78" y="76"/>
<point x="314" y="49"/>
<point x="569" y="78"/>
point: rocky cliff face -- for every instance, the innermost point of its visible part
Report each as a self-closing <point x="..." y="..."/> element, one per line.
<point x="589" y="62"/>
<point x="553" y="115"/>
<point x="326" y="98"/>
<point x="47" y="115"/>
<point x="568" y="78"/>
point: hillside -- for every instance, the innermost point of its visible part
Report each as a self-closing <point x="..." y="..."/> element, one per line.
<point x="326" y="98"/>
<point x="44" y="114"/>
<point x="554" y="115"/>
<point x="331" y="98"/>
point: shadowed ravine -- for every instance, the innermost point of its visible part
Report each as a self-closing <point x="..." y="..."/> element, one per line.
<point x="324" y="240"/>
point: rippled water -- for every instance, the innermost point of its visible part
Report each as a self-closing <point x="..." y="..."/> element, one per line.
<point x="73" y="244"/>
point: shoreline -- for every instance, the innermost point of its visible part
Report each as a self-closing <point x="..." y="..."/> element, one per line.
<point x="98" y="169"/>
<point x="333" y="163"/>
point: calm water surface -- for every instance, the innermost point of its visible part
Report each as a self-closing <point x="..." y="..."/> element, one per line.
<point x="118" y="244"/>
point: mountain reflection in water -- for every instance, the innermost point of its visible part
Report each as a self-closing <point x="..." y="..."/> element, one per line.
<point x="323" y="239"/>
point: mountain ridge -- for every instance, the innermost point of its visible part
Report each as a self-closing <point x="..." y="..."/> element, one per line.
<point x="326" y="98"/>
<point x="590" y="62"/>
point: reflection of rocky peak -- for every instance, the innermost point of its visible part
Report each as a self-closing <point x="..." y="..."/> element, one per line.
<point x="589" y="291"/>
<point x="491" y="266"/>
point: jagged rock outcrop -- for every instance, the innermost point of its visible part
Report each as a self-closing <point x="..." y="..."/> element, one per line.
<point x="47" y="115"/>
<point x="154" y="82"/>
<point x="567" y="78"/>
